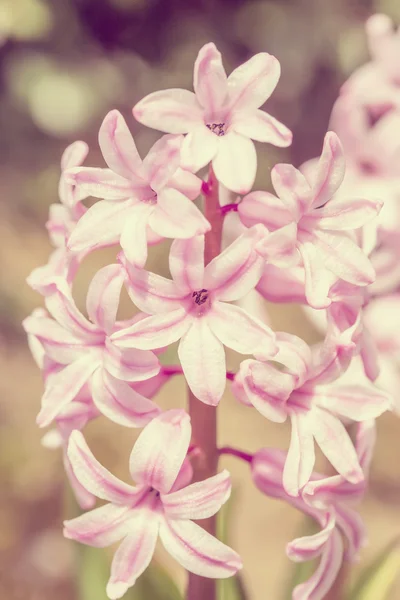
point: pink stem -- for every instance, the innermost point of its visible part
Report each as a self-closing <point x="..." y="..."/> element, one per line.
<point x="235" y="452"/>
<point x="204" y="417"/>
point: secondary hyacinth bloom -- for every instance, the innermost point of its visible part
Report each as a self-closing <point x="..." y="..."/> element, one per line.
<point x="83" y="353"/>
<point x="63" y="218"/>
<point x="310" y="226"/>
<point x="221" y="117"/>
<point x="193" y="307"/>
<point x="144" y="200"/>
<point x="163" y="505"/>
<point x="303" y="391"/>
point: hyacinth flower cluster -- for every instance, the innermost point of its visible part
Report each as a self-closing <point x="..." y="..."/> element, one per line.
<point x="318" y="240"/>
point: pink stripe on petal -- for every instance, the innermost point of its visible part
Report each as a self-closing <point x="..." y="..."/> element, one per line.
<point x="210" y="81"/>
<point x="160" y="450"/>
<point x="100" y="527"/>
<point x="186" y="263"/>
<point x="317" y="281"/>
<point x="134" y="233"/>
<point x="162" y="161"/>
<point x="262" y="127"/>
<point x="172" y="111"/>
<point x="330" y="170"/>
<point x="199" y="500"/>
<point x="85" y="499"/>
<point x="292" y="188"/>
<point x="102" y="299"/>
<point x="352" y="526"/>
<point x="74" y="155"/>
<point x="152" y="293"/>
<point x="252" y="83"/>
<point x="344" y="214"/>
<point x="267" y="388"/>
<point x="130" y="364"/>
<point x="265" y="208"/>
<point x="300" y="458"/>
<point x="311" y="546"/>
<point x="356" y="402"/>
<point x="63" y="309"/>
<point x="100" y="183"/>
<point x="118" y="147"/>
<point x="198" y="551"/>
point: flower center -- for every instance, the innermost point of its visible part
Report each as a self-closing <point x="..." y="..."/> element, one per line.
<point x="217" y="128"/>
<point x="200" y="297"/>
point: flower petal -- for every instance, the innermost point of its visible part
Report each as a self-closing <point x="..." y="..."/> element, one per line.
<point x="210" y="81"/>
<point x="100" y="527"/>
<point x="175" y="216"/>
<point x="262" y="127"/>
<point x="280" y="247"/>
<point x="235" y="163"/>
<point x="74" y="155"/>
<point x="160" y="450"/>
<point x="202" y="357"/>
<point x="356" y="402"/>
<point x="102" y="299"/>
<point x="199" y="500"/>
<point x="162" y="160"/>
<point x="330" y="171"/>
<point x="346" y="213"/>
<point x="265" y="208"/>
<point x="85" y="499"/>
<point x="186" y="263"/>
<point x="130" y="364"/>
<point x="150" y="292"/>
<point x="118" y="147"/>
<point x="248" y="336"/>
<point x="252" y="83"/>
<point x="301" y="455"/>
<point x="185" y="182"/>
<point x="317" y="281"/>
<point x="198" y="551"/>
<point x="310" y="546"/>
<point x="172" y="111"/>
<point x="95" y="478"/>
<point x="198" y="148"/>
<point x="100" y="183"/>
<point x="352" y="525"/>
<point x="134" y="235"/>
<point x="154" y="332"/>
<point x="292" y="188"/>
<point x="63" y="309"/>
<point x="134" y="554"/>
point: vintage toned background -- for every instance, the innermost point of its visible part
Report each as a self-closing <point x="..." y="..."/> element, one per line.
<point x="63" y="65"/>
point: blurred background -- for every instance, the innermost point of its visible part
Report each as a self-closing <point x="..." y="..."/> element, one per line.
<point x="63" y="65"/>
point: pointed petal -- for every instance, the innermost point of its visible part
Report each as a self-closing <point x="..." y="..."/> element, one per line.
<point x="252" y="83"/>
<point x="317" y="281"/>
<point x="118" y="147"/>
<point x="265" y="208"/>
<point x="63" y="309"/>
<point x="102" y="299"/>
<point x="186" y="263"/>
<point x="198" y="551"/>
<point x="100" y="226"/>
<point x="100" y="527"/>
<point x="199" y="500"/>
<point x="94" y="477"/>
<point x="346" y="213"/>
<point x="202" y="357"/>
<point x="134" y="235"/>
<point x="330" y="170"/>
<point x="352" y="525"/>
<point x="235" y="163"/>
<point x="175" y="216"/>
<point x="295" y="354"/>
<point x="198" y="148"/>
<point x="311" y="546"/>
<point x="262" y="127"/>
<point x="162" y="160"/>
<point x="282" y="285"/>
<point x="292" y="188"/>
<point x="248" y="336"/>
<point x="172" y="111"/>
<point x="130" y="364"/>
<point x="301" y="455"/>
<point x="150" y="292"/>
<point x="186" y="182"/>
<point x="85" y="499"/>
<point x="134" y="554"/>
<point x="356" y="402"/>
<point x="334" y="441"/>
<point x="210" y="81"/>
<point x="120" y="403"/>
<point x="160" y="450"/>
<point x="100" y="183"/>
<point x="154" y="332"/>
<point x="74" y="155"/>
<point x="280" y="247"/>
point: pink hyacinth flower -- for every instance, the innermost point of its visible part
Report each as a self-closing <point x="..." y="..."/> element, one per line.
<point x="62" y="220"/>
<point x="222" y="117"/>
<point x="162" y="504"/>
<point x="144" y="201"/>
<point x="84" y="354"/>
<point x="315" y="409"/>
<point x="310" y="226"/>
<point x="193" y="307"/>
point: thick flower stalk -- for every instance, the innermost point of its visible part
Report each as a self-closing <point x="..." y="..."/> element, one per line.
<point x="317" y="242"/>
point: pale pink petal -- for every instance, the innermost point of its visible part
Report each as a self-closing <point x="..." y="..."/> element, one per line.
<point x="154" y="332"/>
<point x="175" y="216"/>
<point x="198" y="148"/>
<point x="266" y="471"/>
<point x="235" y="163"/>
<point x="356" y="402"/>
<point x="301" y="455"/>
<point x="63" y="309"/>
<point x="134" y="554"/>
<point x="324" y="576"/>
<point x="282" y="285"/>
<point x="100" y="183"/>
<point x="265" y="208"/>
<point x="311" y="546"/>
<point x="120" y="403"/>
<point x="152" y="293"/>
<point x="210" y="81"/>
<point x="97" y="479"/>
<point x="237" y="270"/>
<point x="341" y="255"/>
<point x="352" y="525"/>
<point x="292" y="188"/>
<point x="280" y="247"/>
<point x="347" y="213"/>
<point x="198" y="551"/>
<point x="185" y="475"/>
<point x="130" y="364"/>
<point x="100" y="226"/>
<point x="238" y="390"/>
<point x="134" y="236"/>
<point x="74" y="155"/>
<point x="202" y="357"/>
<point x="330" y="170"/>
<point x="172" y="111"/>
<point x="295" y="354"/>
<point x="262" y="127"/>
<point x="187" y="183"/>
<point x="102" y="299"/>
<point x="334" y="441"/>
<point x="186" y="263"/>
<point x="365" y="443"/>
<point x="85" y="499"/>
<point x="252" y="83"/>
<point x="118" y="147"/>
<point x="249" y="335"/>
<point x="162" y="160"/>
<point x="100" y="527"/>
<point x="160" y="450"/>
<point x="199" y="500"/>
<point x="63" y="387"/>
<point x="333" y="489"/>
<point x="317" y="281"/>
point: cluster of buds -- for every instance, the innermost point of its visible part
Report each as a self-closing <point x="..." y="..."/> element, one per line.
<point x="317" y="241"/>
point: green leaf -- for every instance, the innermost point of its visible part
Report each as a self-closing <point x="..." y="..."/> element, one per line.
<point x="94" y="571"/>
<point x="378" y="577"/>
